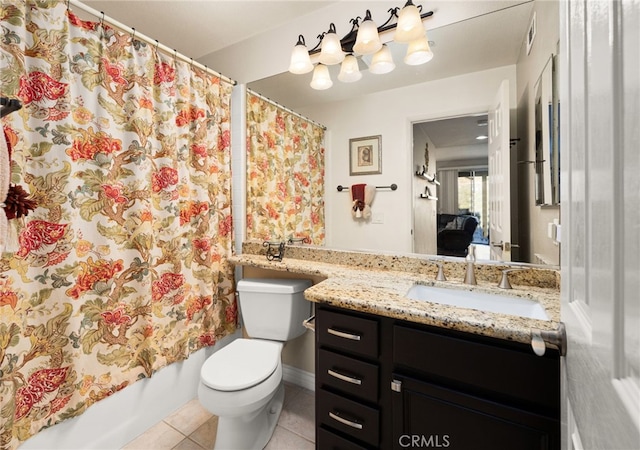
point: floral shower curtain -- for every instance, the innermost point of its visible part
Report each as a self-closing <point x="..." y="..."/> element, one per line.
<point x="121" y="269"/>
<point x="285" y="174"/>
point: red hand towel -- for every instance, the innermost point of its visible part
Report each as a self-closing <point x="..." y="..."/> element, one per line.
<point x="357" y="196"/>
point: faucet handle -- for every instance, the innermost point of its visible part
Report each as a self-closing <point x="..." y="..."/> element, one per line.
<point x="470" y="275"/>
<point x="471" y="253"/>
<point x="440" y="276"/>
<point x="504" y="281"/>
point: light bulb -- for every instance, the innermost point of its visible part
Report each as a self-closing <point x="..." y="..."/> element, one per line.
<point x="382" y="61"/>
<point x="349" y="71"/>
<point x="321" y="79"/>
<point x="331" y="49"/>
<point x="409" y="27"/>
<point x="300" y="60"/>
<point x="418" y="52"/>
<point x="367" y="39"/>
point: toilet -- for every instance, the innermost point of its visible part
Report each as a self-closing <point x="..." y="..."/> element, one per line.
<point x="242" y="383"/>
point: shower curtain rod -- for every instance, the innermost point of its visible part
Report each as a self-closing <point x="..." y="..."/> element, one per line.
<point x="141" y="37"/>
<point x="274" y="103"/>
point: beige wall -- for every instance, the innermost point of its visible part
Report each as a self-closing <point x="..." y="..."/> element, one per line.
<point x="299" y="352"/>
<point x="533" y="219"/>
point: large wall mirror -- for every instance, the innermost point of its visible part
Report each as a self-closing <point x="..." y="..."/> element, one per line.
<point x="461" y="56"/>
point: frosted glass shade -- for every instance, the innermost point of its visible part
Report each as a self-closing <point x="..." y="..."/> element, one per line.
<point x="409" y="27"/>
<point x="321" y="79"/>
<point x="349" y="71"/>
<point x="331" y="50"/>
<point x="418" y="52"/>
<point x="300" y="60"/>
<point x="382" y="61"/>
<point x="367" y="40"/>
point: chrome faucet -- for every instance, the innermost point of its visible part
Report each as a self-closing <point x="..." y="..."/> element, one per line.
<point x="470" y="275"/>
<point x="440" y="276"/>
<point x="504" y="281"/>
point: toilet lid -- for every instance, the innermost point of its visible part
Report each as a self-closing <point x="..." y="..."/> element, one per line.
<point x="241" y="364"/>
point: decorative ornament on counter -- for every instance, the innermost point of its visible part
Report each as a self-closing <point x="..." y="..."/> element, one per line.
<point x="275" y="250"/>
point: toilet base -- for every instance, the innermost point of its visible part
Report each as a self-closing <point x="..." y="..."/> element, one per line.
<point x="242" y="433"/>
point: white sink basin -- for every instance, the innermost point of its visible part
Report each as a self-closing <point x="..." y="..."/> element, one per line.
<point x="513" y="306"/>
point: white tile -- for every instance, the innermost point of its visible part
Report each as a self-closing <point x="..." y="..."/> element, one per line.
<point x="291" y="391"/>
<point x="283" y="439"/>
<point x="188" y="444"/>
<point x="159" y="437"/>
<point x="298" y="416"/>
<point x="205" y="435"/>
<point x="189" y="417"/>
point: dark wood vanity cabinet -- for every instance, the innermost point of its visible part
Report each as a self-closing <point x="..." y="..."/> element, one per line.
<point x="391" y="384"/>
<point x="348" y="387"/>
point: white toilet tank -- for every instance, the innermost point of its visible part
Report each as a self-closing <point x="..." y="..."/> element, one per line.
<point x="272" y="308"/>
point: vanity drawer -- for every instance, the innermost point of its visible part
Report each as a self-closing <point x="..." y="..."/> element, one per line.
<point x="349" y="375"/>
<point x="347" y="332"/>
<point x="349" y="417"/>
<point x="326" y="440"/>
<point x="508" y="372"/>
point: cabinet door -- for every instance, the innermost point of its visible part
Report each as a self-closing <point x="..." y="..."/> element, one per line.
<point x="505" y="373"/>
<point x="427" y="415"/>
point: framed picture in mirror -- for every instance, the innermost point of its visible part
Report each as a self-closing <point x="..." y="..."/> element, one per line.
<point x="365" y="155"/>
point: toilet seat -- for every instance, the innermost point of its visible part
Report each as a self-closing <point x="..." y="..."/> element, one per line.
<point x="240" y="365"/>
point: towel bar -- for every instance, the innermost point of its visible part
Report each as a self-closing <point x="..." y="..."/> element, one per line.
<point x="393" y="187"/>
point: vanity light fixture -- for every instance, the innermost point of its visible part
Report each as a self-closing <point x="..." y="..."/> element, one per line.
<point x="482" y="137"/>
<point x="364" y="38"/>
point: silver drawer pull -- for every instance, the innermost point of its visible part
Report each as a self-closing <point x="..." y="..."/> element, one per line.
<point x="342" y="377"/>
<point x="356" y="425"/>
<point x="342" y="334"/>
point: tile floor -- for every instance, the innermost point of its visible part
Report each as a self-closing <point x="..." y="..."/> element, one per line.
<point x="193" y="428"/>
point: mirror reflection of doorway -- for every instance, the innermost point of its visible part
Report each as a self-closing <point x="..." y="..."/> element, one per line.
<point x="458" y="159"/>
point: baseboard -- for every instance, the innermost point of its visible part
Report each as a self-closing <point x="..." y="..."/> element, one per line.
<point x="299" y="377"/>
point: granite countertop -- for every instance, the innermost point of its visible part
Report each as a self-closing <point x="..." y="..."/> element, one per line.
<point x="377" y="284"/>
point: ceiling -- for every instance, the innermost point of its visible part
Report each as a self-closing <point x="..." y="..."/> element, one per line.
<point x="198" y="28"/>
<point x="456" y="131"/>
<point x="250" y="41"/>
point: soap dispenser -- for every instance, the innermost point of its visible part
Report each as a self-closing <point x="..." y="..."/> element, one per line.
<point x="470" y="276"/>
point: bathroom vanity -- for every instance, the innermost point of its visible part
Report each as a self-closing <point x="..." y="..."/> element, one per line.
<point x="385" y="383"/>
<point x="400" y="363"/>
